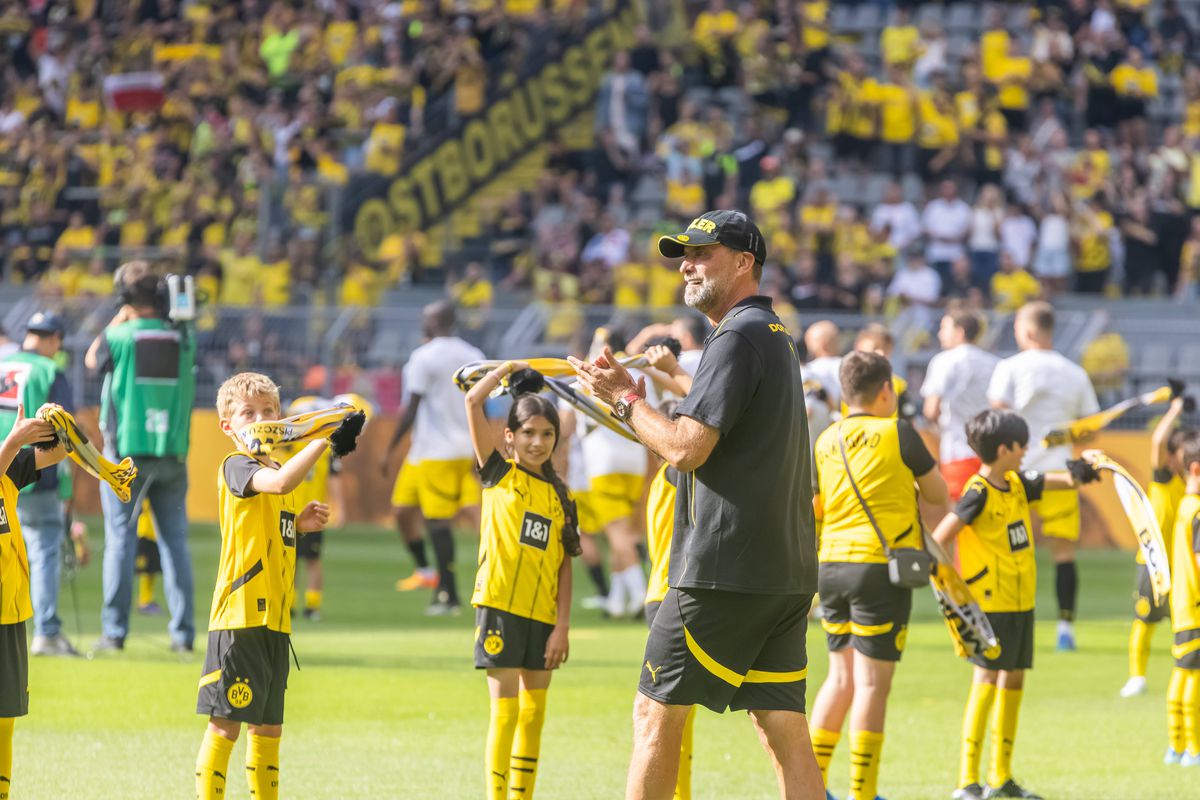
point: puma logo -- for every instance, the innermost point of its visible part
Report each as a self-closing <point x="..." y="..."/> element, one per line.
<point x="653" y="672"/>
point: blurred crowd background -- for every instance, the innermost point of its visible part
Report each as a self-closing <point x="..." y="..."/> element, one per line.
<point x="898" y="156"/>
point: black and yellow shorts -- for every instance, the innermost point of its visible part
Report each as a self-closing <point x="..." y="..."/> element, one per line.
<point x="1186" y="649"/>
<point x="509" y="641"/>
<point x="728" y="650"/>
<point x="308" y="546"/>
<point x="1143" y="599"/>
<point x="14" y="670"/>
<point x="1014" y="631"/>
<point x="147" y="561"/>
<point x="245" y="675"/>
<point x="861" y="608"/>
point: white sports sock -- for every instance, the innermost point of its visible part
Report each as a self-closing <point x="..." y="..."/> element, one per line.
<point x="1066" y="626"/>
<point x="617" y="594"/>
<point x="635" y="584"/>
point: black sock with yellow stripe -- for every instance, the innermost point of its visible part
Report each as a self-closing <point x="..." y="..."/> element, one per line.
<point x="1066" y="587"/>
<point x="443" y="551"/>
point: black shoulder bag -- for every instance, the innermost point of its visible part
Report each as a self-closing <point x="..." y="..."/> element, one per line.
<point x="907" y="568"/>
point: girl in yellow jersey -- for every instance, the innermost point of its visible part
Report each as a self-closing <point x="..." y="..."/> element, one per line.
<point x="996" y="556"/>
<point x="522" y="593"/>
<point x="1183" y="693"/>
<point x="1166" y="491"/>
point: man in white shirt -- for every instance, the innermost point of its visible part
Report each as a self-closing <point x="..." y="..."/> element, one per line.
<point x="918" y="284"/>
<point x="1048" y="389"/>
<point x="947" y="224"/>
<point x="821" y="341"/>
<point x="899" y="215"/>
<point x="690" y="331"/>
<point x="955" y="390"/>
<point x="441" y="449"/>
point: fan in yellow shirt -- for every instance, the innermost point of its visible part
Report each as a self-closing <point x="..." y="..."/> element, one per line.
<point x="1092" y="228"/>
<point x="900" y="42"/>
<point x="1135" y="83"/>
<point x="240" y="270"/>
<point x="1011" y="76"/>
<point x="1013" y="286"/>
<point x="937" y="135"/>
<point x="473" y="295"/>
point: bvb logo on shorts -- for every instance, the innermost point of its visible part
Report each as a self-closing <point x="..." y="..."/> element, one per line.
<point x="1142" y="607"/>
<point x="901" y="638"/>
<point x="493" y="643"/>
<point x="239" y="694"/>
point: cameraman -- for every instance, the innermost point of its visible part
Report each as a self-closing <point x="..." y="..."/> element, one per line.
<point x="145" y="412"/>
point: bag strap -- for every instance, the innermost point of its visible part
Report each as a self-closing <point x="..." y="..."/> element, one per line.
<point x="857" y="493"/>
<point x="887" y="551"/>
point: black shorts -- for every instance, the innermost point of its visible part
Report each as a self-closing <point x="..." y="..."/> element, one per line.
<point x="147" y="561"/>
<point x="509" y="641"/>
<point x="1186" y="650"/>
<point x="652" y="612"/>
<point x="14" y="670"/>
<point x="308" y="546"/>
<point x="245" y="676"/>
<point x="1130" y="108"/>
<point x="728" y="650"/>
<point x="1143" y="599"/>
<point x="1014" y="630"/>
<point x="861" y="608"/>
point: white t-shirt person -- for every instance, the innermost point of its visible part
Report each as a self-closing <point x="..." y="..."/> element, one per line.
<point x="1047" y="389"/>
<point x="959" y="376"/>
<point x="440" y="430"/>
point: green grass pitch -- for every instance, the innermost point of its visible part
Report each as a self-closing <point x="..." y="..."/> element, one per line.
<point x="386" y="703"/>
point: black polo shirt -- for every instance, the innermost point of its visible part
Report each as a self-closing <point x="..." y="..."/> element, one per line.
<point x="744" y="520"/>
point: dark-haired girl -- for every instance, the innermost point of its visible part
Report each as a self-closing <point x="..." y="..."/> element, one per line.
<point x="522" y="593"/>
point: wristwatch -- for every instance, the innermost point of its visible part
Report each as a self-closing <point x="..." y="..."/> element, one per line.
<point x="623" y="408"/>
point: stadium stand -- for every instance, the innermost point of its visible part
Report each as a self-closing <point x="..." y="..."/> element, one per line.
<point x="897" y="158"/>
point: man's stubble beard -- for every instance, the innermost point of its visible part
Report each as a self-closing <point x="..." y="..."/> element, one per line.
<point x="703" y="297"/>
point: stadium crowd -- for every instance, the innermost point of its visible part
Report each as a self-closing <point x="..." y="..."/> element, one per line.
<point x="894" y="165"/>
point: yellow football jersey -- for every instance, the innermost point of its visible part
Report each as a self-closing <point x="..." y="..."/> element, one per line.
<point x="15" y="605"/>
<point x="1165" y="492"/>
<point x="886" y="455"/>
<point x="315" y="485"/>
<point x="257" y="571"/>
<point x="520" y="542"/>
<point x="660" y="526"/>
<point x="995" y="550"/>
<point x="1185" y="575"/>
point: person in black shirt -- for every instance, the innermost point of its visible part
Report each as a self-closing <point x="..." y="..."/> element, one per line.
<point x="730" y="631"/>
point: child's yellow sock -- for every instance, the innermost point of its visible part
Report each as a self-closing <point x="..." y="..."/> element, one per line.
<point x="501" y="728"/>
<point x="865" y="749"/>
<point x="824" y="743"/>
<point x="145" y="589"/>
<point x="212" y="765"/>
<point x="6" y="744"/>
<point x="312" y="599"/>
<point x="683" y="782"/>
<point x="979" y="708"/>
<point x="1176" y="736"/>
<point x="1139" y="647"/>
<point x="262" y="767"/>
<point x="1004" y="733"/>
<point x="1191" y="711"/>
<point x="527" y="746"/>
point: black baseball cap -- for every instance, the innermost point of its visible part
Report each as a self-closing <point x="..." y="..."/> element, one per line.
<point x="46" y="322"/>
<point x="733" y="229"/>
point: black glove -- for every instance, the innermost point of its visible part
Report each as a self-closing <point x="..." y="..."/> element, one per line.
<point x="345" y="438"/>
<point x="525" y="381"/>
<point x="1177" y="387"/>
<point x="1082" y="471"/>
